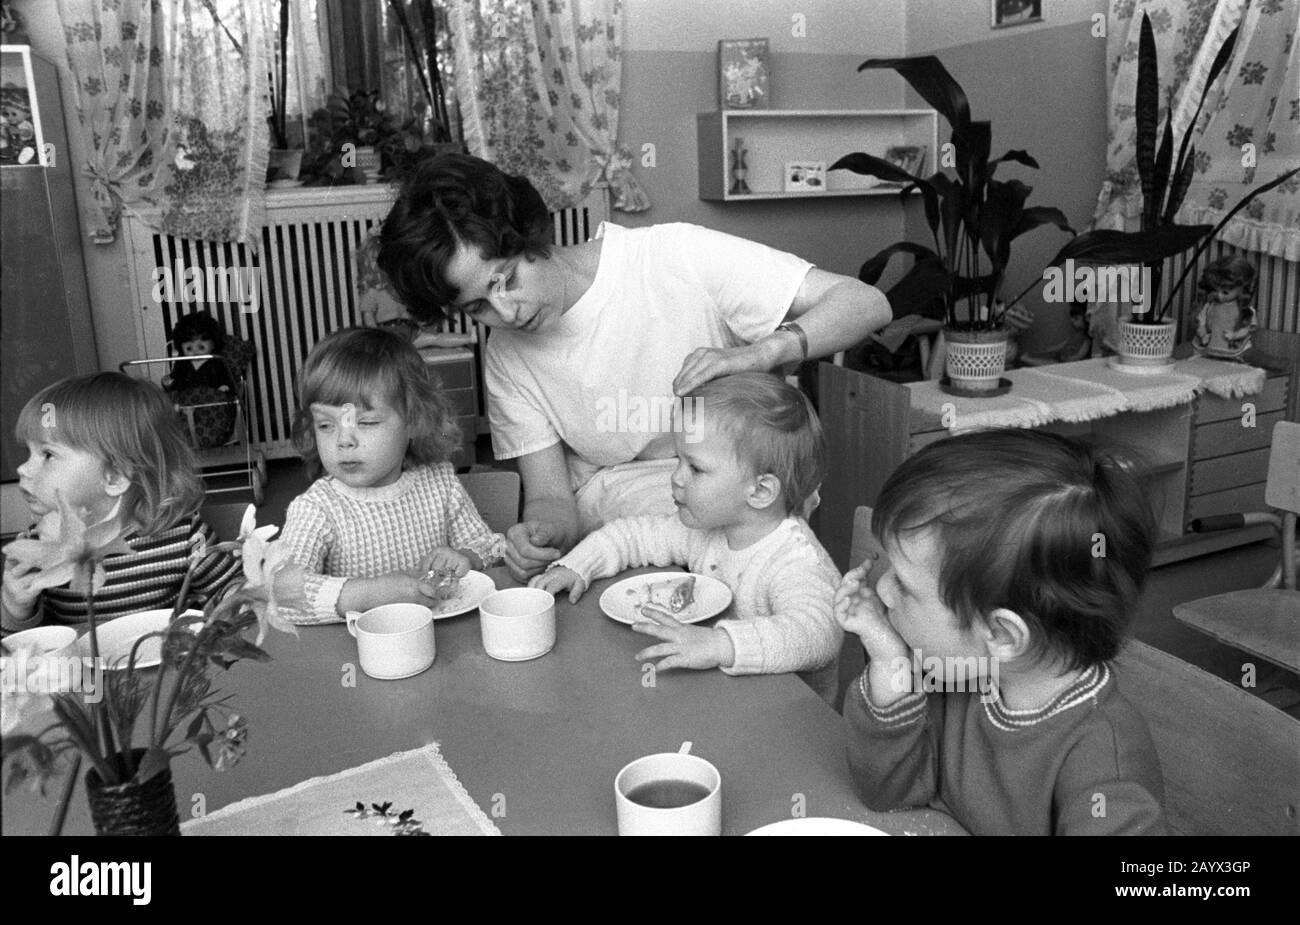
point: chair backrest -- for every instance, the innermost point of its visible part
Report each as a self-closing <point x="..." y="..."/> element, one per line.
<point x="1283" y="488"/>
<point x="852" y="659"/>
<point x="496" y="495"/>
<point x="1231" y="762"/>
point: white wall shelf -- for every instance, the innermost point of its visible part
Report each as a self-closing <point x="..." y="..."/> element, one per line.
<point x="773" y="137"/>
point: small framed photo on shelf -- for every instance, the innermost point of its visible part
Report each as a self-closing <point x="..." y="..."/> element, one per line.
<point x="743" y="74"/>
<point x="21" y="142"/>
<point x="1015" y="12"/>
<point x="805" y="176"/>
<point x="907" y="157"/>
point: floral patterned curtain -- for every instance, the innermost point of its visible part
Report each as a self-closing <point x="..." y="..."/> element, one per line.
<point x="539" y="94"/>
<point x="218" y="89"/>
<point x="115" y="52"/>
<point x="1258" y="104"/>
<point x="173" y="97"/>
<point x="1255" y="101"/>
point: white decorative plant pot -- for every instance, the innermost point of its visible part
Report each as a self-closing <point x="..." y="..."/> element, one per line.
<point x="285" y="163"/>
<point x="976" y="359"/>
<point x="1146" y="345"/>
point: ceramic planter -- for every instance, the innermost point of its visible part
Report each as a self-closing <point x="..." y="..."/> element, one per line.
<point x="284" y="163"/>
<point x="1146" y="347"/>
<point x="976" y="359"/>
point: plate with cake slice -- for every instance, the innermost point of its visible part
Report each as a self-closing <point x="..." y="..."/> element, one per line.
<point x="458" y="595"/>
<point x="687" y="598"/>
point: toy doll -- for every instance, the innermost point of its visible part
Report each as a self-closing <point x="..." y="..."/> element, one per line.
<point x="1226" y="318"/>
<point x="198" y="334"/>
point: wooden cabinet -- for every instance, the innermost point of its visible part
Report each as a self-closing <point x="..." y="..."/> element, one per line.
<point x="1209" y="456"/>
<point x="774" y="137"/>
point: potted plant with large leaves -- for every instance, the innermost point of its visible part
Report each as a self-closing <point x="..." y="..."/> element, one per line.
<point x="1146" y="338"/>
<point x="973" y="219"/>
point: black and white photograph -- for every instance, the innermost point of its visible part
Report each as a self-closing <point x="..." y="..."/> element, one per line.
<point x="648" y="417"/>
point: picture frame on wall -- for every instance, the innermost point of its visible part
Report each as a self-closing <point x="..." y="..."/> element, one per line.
<point x="907" y="157"/>
<point x="805" y="177"/>
<point x="1005" y="13"/>
<point x="21" y="141"/>
<point x="744" y="74"/>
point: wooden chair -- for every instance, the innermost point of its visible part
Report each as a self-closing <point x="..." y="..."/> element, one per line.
<point x="853" y="659"/>
<point x="1231" y="762"/>
<point x="495" y="493"/>
<point x="1263" y="621"/>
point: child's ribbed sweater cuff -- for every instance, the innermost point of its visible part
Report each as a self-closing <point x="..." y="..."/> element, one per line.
<point x="747" y="645"/>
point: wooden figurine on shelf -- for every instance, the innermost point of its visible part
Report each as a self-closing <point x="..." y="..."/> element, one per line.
<point x="1226" y="318"/>
<point x="739" y="169"/>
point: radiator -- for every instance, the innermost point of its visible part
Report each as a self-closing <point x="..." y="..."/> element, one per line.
<point x="305" y="278"/>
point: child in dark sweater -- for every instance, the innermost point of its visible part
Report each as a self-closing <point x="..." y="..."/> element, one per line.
<point x="1015" y="559"/>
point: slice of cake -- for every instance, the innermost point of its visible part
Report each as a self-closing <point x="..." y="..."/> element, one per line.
<point x="673" y="595"/>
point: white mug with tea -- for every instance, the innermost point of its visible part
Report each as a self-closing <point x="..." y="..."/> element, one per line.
<point x="672" y="793"/>
<point x="393" y="641"/>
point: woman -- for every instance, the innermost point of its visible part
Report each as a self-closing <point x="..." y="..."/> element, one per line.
<point x="591" y="341"/>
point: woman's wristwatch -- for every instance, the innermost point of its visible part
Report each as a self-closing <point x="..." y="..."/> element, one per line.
<point x="794" y="329"/>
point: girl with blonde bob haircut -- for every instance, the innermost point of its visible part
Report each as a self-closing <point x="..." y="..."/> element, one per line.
<point x="106" y="446"/>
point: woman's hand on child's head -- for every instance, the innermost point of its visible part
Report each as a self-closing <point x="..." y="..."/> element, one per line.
<point x="683" y="646"/>
<point x="859" y="610"/>
<point x="708" y="363"/>
<point x="445" y="559"/>
<point x="558" y="579"/>
<point x="529" y="549"/>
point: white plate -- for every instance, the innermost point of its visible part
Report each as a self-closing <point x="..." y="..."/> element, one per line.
<point x="817" y="826"/>
<point x="473" y="588"/>
<point x="711" y="598"/>
<point x="116" y="637"/>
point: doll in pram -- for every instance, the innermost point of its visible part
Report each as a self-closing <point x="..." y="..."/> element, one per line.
<point x="207" y="382"/>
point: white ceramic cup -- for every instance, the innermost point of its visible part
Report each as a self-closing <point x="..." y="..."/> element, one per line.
<point x="517" y="624"/>
<point x="703" y="817"/>
<point x="393" y="641"/>
<point x="44" y="640"/>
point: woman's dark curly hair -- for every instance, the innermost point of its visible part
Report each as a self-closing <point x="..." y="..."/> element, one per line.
<point x="451" y="200"/>
<point x="196" y="325"/>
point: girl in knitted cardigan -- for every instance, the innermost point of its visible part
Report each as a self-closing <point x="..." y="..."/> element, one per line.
<point x="386" y="511"/>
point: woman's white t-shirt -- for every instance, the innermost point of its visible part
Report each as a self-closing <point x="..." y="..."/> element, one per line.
<point x="600" y="380"/>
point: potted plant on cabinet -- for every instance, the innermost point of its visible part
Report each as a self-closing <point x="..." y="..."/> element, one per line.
<point x="973" y="219"/>
<point x="285" y="162"/>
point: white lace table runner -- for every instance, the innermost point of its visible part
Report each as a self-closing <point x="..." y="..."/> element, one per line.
<point x="419" y="780"/>
<point x="1085" y="391"/>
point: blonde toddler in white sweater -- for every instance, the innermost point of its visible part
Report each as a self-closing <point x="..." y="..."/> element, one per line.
<point x="750" y="453"/>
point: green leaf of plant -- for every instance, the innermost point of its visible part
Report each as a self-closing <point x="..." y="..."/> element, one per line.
<point x="153" y="763"/>
<point x="1104" y="246"/>
<point x="1186" y="153"/>
<point x="929" y="78"/>
<point x="1146" y="104"/>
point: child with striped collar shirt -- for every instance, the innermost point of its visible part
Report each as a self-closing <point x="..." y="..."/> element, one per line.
<point x="1015" y="559"/>
<point x="107" y="449"/>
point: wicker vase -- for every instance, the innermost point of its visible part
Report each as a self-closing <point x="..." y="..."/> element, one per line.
<point x="134" y="808"/>
<point x="976" y="359"/>
<point x="1146" y="347"/>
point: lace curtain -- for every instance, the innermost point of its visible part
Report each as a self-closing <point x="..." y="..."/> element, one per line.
<point x="172" y="95"/>
<point x="539" y="94"/>
<point x="1257" y="101"/>
<point x="115" y="52"/>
